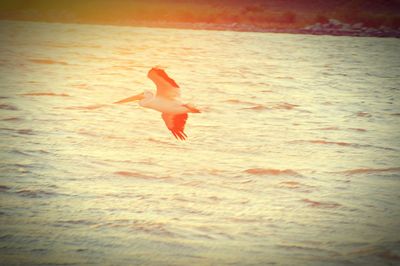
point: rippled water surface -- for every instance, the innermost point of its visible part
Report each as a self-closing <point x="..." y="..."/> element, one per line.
<point x="293" y="161"/>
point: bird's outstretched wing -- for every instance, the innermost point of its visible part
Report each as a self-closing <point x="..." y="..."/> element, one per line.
<point x="176" y="124"/>
<point x="166" y="90"/>
<point x="166" y="86"/>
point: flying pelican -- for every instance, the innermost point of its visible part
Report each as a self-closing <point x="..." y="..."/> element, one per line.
<point x="166" y="101"/>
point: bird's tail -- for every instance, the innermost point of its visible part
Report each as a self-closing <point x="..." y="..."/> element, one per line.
<point x="191" y="108"/>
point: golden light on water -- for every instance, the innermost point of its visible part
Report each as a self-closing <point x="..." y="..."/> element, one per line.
<point x="293" y="160"/>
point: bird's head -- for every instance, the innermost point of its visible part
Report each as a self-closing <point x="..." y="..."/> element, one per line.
<point x="147" y="94"/>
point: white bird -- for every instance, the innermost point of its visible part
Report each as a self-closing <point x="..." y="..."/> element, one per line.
<point x="167" y="101"/>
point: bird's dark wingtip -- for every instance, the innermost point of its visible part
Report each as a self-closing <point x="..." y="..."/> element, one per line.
<point x="180" y="135"/>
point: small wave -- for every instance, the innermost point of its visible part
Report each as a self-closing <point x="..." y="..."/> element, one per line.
<point x="11" y="119"/>
<point x="125" y="52"/>
<point x="280" y="106"/>
<point x="4" y="188"/>
<point x="159" y="141"/>
<point x="32" y="193"/>
<point x="87" y="133"/>
<point x="380" y="147"/>
<point x="193" y="183"/>
<point x="294" y="185"/>
<point x="328" y="205"/>
<point x="284" y="77"/>
<point x="357" y="129"/>
<point x="345" y="144"/>
<point x="47" y="61"/>
<point x="257" y="107"/>
<point x="285" y="106"/>
<point x="213" y="171"/>
<point x="26" y="132"/>
<point x="88" y="107"/>
<point x="363" y="114"/>
<point x="369" y="170"/>
<point x="305" y="248"/>
<point x="20" y="131"/>
<point x="329" y="128"/>
<point x="245" y="220"/>
<point x="291" y="184"/>
<point x="39" y="250"/>
<point x="136" y="175"/>
<point x="156" y="228"/>
<point x="338" y="128"/>
<point x="275" y="172"/>
<point x="236" y="101"/>
<point x="69" y="45"/>
<point x="8" y="107"/>
<point x="120" y="68"/>
<point x="377" y="251"/>
<point x="21" y="167"/>
<point x="74" y="222"/>
<point x="45" y="94"/>
<point x="113" y="137"/>
<point x="81" y="86"/>
<point x="387" y="254"/>
<point x="324" y="142"/>
<point x="149" y="227"/>
<point x="27" y="153"/>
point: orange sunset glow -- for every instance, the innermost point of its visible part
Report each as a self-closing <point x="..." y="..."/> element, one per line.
<point x="240" y="15"/>
<point x="199" y="132"/>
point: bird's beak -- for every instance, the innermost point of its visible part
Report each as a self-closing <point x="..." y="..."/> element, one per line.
<point x="138" y="97"/>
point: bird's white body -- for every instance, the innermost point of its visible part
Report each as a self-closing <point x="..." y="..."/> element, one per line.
<point x="162" y="104"/>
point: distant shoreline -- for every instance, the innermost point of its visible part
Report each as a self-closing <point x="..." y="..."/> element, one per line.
<point x="364" y="18"/>
<point x="332" y="27"/>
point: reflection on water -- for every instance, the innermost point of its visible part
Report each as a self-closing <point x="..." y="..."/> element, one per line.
<point x="294" y="159"/>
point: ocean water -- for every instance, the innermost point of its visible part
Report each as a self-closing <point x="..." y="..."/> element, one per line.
<point x="294" y="159"/>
